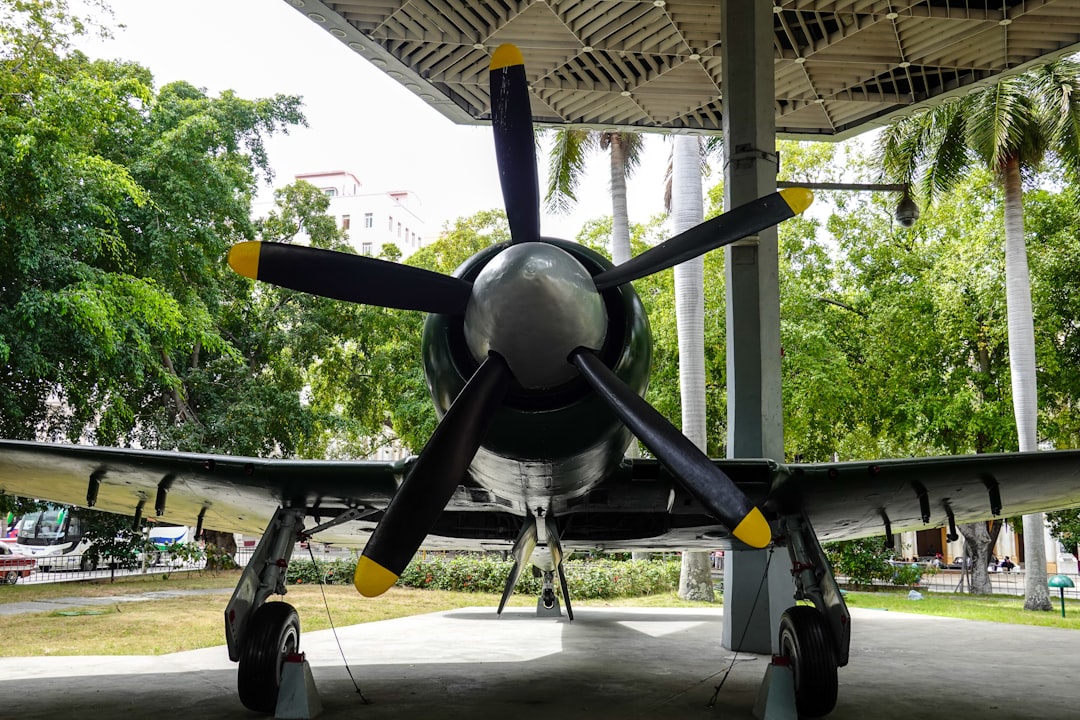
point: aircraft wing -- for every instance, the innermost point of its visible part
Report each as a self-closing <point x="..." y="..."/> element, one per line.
<point x="853" y="499"/>
<point x="239" y="494"/>
<point x="843" y="500"/>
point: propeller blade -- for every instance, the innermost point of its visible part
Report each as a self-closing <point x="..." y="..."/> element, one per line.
<point x="355" y="278"/>
<point x="430" y="484"/>
<point x="722" y="230"/>
<point x="706" y="482"/>
<point x="515" y="149"/>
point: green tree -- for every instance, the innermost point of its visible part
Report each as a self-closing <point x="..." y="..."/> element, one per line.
<point x="1054" y="242"/>
<point x="566" y="165"/>
<point x="115" y="540"/>
<point x="1008" y="128"/>
<point x="117" y="204"/>
<point x="409" y="409"/>
<point x="1065" y="528"/>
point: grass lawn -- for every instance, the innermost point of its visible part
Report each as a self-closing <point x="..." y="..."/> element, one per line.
<point x="152" y="627"/>
<point x="991" y="608"/>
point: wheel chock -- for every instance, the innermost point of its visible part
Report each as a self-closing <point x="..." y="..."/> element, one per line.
<point x="297" y="697"/>
<point x="553" y="611"/>
<point x="776" y="696"/>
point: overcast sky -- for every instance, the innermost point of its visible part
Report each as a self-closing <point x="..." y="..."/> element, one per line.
<point x="359" y="119"/>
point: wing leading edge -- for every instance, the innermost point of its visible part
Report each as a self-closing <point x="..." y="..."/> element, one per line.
<point x="857" y="499"/>
<point x="239" y="494"/>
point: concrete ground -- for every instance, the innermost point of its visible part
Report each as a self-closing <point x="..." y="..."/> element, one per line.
<point x="609" y="663"/>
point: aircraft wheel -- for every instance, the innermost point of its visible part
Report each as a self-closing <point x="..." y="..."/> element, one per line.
<point x="86" y="564"/>
<point x="273" y="633"/>
<point x="806" y="642"/>
<point x="11" y="577"/>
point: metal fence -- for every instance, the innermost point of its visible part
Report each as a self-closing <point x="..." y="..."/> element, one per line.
<point x="1001" y="582"/>
<point x="73" y="567"/>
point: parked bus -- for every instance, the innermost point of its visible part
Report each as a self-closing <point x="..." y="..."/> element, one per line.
<point x="54" y="537"/>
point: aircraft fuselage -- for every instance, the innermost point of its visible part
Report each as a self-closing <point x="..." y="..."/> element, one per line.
<point x="556" y="439"/>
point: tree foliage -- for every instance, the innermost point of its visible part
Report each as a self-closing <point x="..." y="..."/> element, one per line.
<point x="115" y="540"/>
<point x="118" y="201"/>
<point x="1065" y="528"/>
<point x="867" y="560"/>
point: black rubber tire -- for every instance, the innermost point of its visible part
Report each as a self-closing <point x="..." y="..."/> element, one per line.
<point x="273" y="633"/>
<point x="806" y="642"/>
<point x="11" y="577"/>
<point x="87" y="565"/>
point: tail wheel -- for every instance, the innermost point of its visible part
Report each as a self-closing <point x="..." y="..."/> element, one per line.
<point x="806" y="642"/>
<point x="11" y="577"/>
<point x="273" y="633"/>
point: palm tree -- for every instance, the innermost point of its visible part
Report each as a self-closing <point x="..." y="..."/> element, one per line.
<point x="1010" y="128"/>
<point x="695" y="577"/>
<point x="566" y="165"/>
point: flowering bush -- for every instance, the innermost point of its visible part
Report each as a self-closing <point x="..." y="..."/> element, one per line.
<point x="588" y="579"/>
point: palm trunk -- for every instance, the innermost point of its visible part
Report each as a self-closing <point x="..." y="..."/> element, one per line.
<point x="1022" y="367"/>
<point x="620" y="233"/>
<point x="695" y="579"/>
<point x="620" y="221"/>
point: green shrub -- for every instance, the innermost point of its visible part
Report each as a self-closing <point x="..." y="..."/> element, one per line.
<point x="465" y="572"/>
<point x="867" y="560"/>
<point x="185" y="552"/>
<point x="907" y="575"/>
<point x="587" y="579"/>
<point x="328" y="572"/>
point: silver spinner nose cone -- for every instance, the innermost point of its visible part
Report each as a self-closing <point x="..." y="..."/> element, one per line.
<point x="533" y="304"/>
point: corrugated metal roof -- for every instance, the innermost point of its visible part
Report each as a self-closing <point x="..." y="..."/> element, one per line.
<point x="840" y="66"/>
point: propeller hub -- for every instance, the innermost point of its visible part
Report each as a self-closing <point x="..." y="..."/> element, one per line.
<point x="534" y="304"/>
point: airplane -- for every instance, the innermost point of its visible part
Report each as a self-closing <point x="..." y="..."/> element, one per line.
<point x="537" y="355"/>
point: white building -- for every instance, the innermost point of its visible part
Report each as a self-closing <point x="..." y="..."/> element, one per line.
<point x="370" y="219"/>
<point x="928" y="543"/>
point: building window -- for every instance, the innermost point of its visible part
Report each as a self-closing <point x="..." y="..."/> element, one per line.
<point x="399" y="229"/>
<point x="369" y="220"/>
<point x="344" y="222"/>
<point x="365" y="248"/>
<point x="390" y="228"/>
<point x="330" y="192"/>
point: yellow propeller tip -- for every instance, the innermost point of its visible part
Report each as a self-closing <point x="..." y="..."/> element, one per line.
<point x="244" y="259"/>
<point x="371" y="578"/>
<point x="506" y="55"/>
<point x="754" y="529"/>
<point x="798" y="199"/>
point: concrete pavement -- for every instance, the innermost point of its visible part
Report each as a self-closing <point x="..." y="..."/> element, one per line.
<point x="610" y="663"/>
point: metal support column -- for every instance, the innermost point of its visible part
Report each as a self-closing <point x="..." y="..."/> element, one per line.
<point x="755" y="423"/>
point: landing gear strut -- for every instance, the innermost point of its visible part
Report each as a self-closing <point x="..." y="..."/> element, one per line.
<point x="814" y="639"/>
<point x="546" y="562"/>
